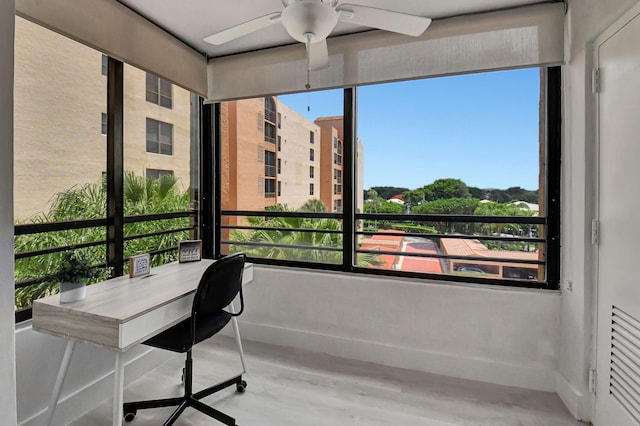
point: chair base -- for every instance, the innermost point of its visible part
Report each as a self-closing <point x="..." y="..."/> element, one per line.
<point x="130" y="409"/>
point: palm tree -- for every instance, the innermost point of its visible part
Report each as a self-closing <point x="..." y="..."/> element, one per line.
<point x="295" y="238"/>
<point x="142" y="196"/>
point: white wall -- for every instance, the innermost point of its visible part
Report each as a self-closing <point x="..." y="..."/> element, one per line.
<point x="501" y="335"/>
<point x="7" y="342"/>
<point x="586" y="19"/>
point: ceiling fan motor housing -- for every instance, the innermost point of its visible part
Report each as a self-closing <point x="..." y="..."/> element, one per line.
<point x="309" y="17"/>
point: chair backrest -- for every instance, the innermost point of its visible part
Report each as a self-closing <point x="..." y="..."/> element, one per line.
<point x="219" y="285"/>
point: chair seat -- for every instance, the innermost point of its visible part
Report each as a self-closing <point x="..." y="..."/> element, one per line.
<point x="176" y="338"/>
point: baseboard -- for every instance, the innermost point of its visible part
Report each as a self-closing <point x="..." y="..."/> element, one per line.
<point x="84" y="399"/>
<point x="485" y="370"/>
<point x="572" y="398"/>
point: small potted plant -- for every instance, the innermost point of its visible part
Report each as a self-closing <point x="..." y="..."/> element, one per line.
<point x="73" y="273"/>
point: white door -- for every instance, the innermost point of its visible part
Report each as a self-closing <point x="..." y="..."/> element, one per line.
<point x="618" y="280"/>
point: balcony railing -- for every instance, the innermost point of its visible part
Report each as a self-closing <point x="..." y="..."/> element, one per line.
<point x="33" y="266"/>
<point x="506" y="250"/>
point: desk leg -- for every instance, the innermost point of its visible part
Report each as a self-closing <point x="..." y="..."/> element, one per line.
<point x="118" y="388"/>
<point x="236" y="330"/>
<point x="62" y="373"/>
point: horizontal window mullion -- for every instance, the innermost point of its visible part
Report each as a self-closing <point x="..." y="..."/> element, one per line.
<point x="38" y="228"/>
<point x="447" y="256"/>
<point x="159" y="216"/>
<point x="158" y="233"/>
<point x="267" y="228"/>
<point x="456" y="236"/>
<point x="533" y="220"/>
<point x="51" y="250"/>
<point x="292" y="246"/>
<point x="267" y="213"/>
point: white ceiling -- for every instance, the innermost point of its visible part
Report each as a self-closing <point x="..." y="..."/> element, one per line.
<point x="193" y="20"/>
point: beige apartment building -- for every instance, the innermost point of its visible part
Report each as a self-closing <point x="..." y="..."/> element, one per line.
<point x="60" y="120"/>
<point x="270" y="153"/>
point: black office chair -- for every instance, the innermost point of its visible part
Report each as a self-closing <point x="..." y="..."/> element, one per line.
<point x="218" y="287"/>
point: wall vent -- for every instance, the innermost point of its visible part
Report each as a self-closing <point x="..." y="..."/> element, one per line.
<point x="624" y="379"/>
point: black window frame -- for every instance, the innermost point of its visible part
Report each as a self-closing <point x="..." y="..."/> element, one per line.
<point x="551" y="119"/>
<point x="115" y="220"/>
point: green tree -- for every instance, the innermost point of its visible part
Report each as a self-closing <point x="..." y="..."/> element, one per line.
<point x="446" y="188"/>
<point x="477" y="193"/>
<point x="307" y="244"/>
<point x="414" y="197"/>
<point x="313" y="205"/>
<point x="499" y="209"/>
<point x="380" y="205"/>
<point x="452" y="206"/>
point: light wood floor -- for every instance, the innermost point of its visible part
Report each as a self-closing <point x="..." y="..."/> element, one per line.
<point x="293" y="387"/>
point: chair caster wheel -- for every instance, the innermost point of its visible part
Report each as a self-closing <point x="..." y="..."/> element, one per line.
<point x="128" y="417"/>
<point x="240" y="387"/>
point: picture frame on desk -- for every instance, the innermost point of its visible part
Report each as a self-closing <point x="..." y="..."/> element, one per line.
<point x="140" y="265"/>
<point x="189" y="251"/>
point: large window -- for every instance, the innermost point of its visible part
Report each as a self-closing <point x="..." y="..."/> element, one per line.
<point x="458" y="182"/>
<point x="68" y="172"/>
<point x="292" y="220"/>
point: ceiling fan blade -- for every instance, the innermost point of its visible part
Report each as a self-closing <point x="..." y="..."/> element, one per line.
<point x="318" y="55"/>
<point x="387" y="20"/>
<point x="243" y="29"/>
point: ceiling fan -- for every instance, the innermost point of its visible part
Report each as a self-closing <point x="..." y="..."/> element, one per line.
<point x="311" y="22"/>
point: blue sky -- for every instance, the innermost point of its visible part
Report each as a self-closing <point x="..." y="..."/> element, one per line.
<point x="481" y="128"/>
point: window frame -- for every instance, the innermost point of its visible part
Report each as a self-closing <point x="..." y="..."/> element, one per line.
<point x="551" y="124"/>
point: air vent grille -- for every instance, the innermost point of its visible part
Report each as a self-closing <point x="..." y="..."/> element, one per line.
<point x="624" y="380"/>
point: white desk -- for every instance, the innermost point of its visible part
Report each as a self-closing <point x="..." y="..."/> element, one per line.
<point x="120" y="313"/>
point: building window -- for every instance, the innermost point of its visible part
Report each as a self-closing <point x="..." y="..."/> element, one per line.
<point x="311" y="189"/>
<point x="159" y="91"/>
<point x="105" y="65"/>
<point x="270" y="164"/>
<point x="337" y="189"/>
<point x="279" y="188"/>
<point x="156" y="174"/>
<point x="279" y="165"/>
<point x="279" y="143"/>
<point x="103" y="124"/>
<point x="269" y="132"/>
<point x="270" y="110"/>
<point x="337" y="175"/>
<point x="311" y="172"/>
<point x="312" y="136"/>
<point x="159" y="137"/>
<point x="279" y="121"/>
<point x="311" y="154"/>
<point x="269" y="188"/>
<point x="337" y="159"/>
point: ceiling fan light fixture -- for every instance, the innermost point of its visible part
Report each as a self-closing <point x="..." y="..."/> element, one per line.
<point x="308" y="16"/>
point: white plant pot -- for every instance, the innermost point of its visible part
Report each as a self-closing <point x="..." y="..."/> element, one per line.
<point x="72" y="292"/>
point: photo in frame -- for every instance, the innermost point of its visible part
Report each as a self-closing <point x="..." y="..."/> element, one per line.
<point x="189" y="251"/>
<point x="140" y="265"/>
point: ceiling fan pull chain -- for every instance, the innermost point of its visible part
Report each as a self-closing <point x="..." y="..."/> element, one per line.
<point x="308" y="37"/>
